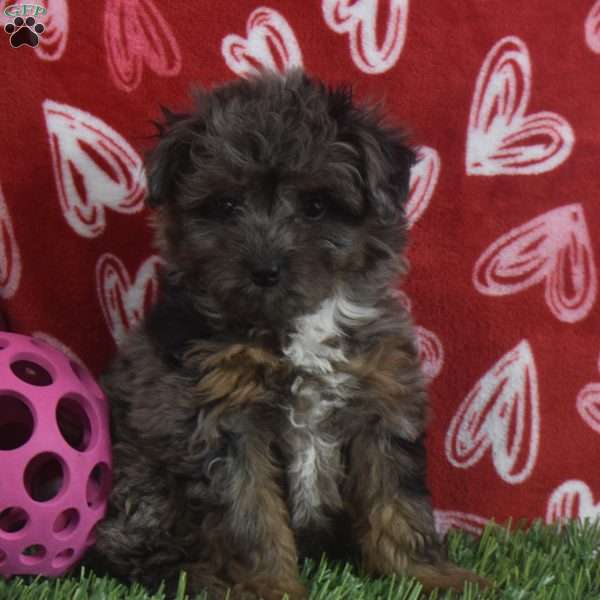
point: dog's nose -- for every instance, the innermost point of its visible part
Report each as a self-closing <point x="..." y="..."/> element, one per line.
<point x="266" y="275"/>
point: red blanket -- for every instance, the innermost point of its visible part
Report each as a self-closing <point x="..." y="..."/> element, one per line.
<point x="504" y="99"/>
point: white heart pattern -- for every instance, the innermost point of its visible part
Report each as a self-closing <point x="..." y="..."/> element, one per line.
<point x="423" y="179"/>
<point x="453" y="519"/>
<point x="10" y="256"/>
<point x="270" y="45"/>
<point x="431" y="352"/>
<point x="592" y="28"/>
<point x="572" y="499"/>
<point x="136" y="33"/>
<point x="124" y="302"/>
<point x="501" y="137"/>
<point x="500" y="413"/>
<point x="358" y="19"/>
<point x="94" y="168"/>
<point x="588" y="405"/>
<point x="56" y="22"/>
<point x="554" y="247"/>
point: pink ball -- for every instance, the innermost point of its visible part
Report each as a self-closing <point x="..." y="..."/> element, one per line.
<point x="55" y="461"/>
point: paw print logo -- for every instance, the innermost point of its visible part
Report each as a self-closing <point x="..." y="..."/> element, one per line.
<point x="24" y="31"/>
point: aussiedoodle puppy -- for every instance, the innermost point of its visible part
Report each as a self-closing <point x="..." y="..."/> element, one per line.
<point x="271" y="405"/>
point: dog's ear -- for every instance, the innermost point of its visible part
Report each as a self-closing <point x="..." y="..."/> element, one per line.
<point x="170" y="158"/>
<point x="385" y="156"/>
<point x="388" y="163"/>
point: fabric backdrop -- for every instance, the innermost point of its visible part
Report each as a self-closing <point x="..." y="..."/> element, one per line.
<point x="503" y="97"/>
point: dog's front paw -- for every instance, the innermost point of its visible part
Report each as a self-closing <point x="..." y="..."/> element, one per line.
<point x="269" y="589"/>
<point x="446" y="576"/>
<point x="401" y="540"/>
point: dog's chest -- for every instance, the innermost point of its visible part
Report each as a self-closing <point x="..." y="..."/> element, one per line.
<point x="317" y="395"/>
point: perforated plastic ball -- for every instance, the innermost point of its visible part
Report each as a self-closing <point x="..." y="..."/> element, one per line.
<point x="55" y="463"/>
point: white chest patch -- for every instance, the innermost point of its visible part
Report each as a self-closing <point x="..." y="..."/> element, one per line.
<point x="307" y="348"/>
<point x="315" y="348"/>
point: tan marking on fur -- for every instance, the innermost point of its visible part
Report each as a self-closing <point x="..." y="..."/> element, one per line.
<point x="272" y="567"/>
<point x="445" y="576"/>
<point x="395" y="530"/>
<point x="399" y="401"/>
<point x="235" y="374"/>
<point x="234" y="377"/>
<point x="380" y="367"/>
<point x="263" y="563"/>
<point x="392" y="545"/>
<point x="391" y="538"/>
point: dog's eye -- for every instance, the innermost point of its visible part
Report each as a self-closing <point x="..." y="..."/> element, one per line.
<point x="227" y="207"/>
<point x="314" y="208"/>
<point x="221" y="208"/>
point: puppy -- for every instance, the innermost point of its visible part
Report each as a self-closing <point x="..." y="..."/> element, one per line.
<point x="271" y="406"/>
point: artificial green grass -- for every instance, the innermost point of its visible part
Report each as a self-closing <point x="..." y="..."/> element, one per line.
<point x="541" y="563"/>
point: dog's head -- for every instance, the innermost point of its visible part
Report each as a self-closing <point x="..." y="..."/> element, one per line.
<point x="274" y="192"/>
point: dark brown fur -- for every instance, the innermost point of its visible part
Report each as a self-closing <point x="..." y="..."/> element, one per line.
<point x="251" y="426"/>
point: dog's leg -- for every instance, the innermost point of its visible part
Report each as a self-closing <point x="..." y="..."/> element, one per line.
<point x="388" y="500"/>
<point x="260" y="557"/>
<point x="134" y="541"/>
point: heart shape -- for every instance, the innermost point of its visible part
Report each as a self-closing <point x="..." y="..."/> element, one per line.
<point x="358" y="19"/>
<point x="10" y="257"/>
<point x="500" y="413"/>
<point x="423" y="179"/>
<point x="54" y="41"/>
<point x="431" y="352"/>
<point x="592" y="28"/>
<point x="94" y="168"/>
<point x="136" y="33"/>
<point x="453" y="519"/>
<point x="501" y="137"/>
<point x="124" y="302"/>
<point x="554" y="247"/>
<point x="572" y="499"/>
<point x="588" y="405"/>
<point x="270" y="45"/>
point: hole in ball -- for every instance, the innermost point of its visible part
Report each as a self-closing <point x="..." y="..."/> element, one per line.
<point x="33" y="554"/>
<point x="16" y="422"/>
<point x="13" y="519"/>
<point x="62" y="559"/>
<point x="3" y="343"/>
<point x="31" y="372"/>
<point x="44" y="477"/>
<point x="66" y="523"/>
<point x="73" y="422"/>
<point x="98" y="485"/>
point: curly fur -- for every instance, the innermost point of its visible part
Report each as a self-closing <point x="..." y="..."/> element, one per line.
<point x="255" y="424"/>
